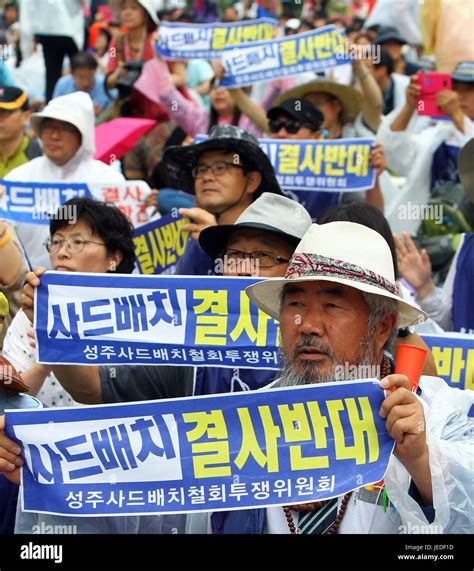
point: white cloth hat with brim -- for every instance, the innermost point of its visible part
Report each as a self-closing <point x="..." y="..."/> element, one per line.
<point x="293" y="24"/>
<point x="278" y="215"/>
<point x="152" y="7"/>
<point x="340" y="252"/>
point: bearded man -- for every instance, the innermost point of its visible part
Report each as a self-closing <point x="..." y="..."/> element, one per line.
<point x="339" y="307"/>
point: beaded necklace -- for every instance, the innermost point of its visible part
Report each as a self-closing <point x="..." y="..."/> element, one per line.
<point x="385" y="370"/>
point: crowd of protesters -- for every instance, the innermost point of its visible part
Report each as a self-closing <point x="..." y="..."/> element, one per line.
<point x="70" y="66"/>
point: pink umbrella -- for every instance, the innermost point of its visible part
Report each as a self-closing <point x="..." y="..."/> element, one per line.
<point x="115" y="138"/>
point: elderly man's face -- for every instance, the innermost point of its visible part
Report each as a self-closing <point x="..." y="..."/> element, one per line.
<point x="324" y="324"/>
<point x="251" y="252"/>
<point x="215" y="192"/>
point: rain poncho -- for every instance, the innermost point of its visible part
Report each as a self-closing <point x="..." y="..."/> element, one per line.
<point x="77" y="109"/>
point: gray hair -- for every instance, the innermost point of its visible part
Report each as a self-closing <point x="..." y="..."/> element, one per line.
<point x="380" y="306"/>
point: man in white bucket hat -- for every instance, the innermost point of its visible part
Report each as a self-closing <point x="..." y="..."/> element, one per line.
<point x="339" y="304"/>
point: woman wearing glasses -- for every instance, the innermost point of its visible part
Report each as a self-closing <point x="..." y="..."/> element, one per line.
<point x="85" y="236"/>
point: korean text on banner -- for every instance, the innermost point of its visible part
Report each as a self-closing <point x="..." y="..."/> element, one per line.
<point x="341" y="166"/>
<point x="160" y="244"/>
<point x="273" y="447"/>
<point x="112" y="319"/>
<point x="454" y="358"/>
<point x="207" y="41"/>
<point x="288" y="56"/>
<point x="38" y="202"/>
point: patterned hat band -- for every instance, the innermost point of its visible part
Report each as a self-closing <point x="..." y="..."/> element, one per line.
<point x="313" y="265"/>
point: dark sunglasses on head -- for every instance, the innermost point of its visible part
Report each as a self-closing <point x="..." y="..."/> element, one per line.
<point x="290" y="125"/>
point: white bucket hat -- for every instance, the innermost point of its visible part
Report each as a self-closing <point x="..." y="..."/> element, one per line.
<point x="152" y="7"/>
<point x="344" y="253"/>
<point x="270" y="212"/>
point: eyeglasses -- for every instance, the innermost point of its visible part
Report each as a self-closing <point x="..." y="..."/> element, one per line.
<point x="290" y="125"/>
<point x="60" y="126"/>
<point x="73" y="245"/>
<point x="218" y="168"/>
<point x="264" y="259"/>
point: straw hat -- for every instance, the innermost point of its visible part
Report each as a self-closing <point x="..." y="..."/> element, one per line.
<point x="344" y="253"/>
<point x="350" y="98"/>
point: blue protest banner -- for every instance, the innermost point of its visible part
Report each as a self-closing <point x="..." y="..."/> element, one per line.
<point x="160" y="244"/>
<point x="121" y="319"/>
<point x="454" y="357"/>
<point x="207" y="41"/>
<point x="282" y="57"/>
<point x="341" y="165"/>
<point x="275" y="447"/>
<point x="38" y="202"/>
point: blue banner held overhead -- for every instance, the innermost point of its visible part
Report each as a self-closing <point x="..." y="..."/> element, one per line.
<point x="207" y="41"/>
<point x="284" y="57"/>
<point x="35" y="202"/>
<point x="454" y="358"/>
<point x="121" y="319"/>
<point x="341" y="165"/>
<point x="160" y="244"/>
<point x="38" y="202"/>
<point x="237" y="451"/>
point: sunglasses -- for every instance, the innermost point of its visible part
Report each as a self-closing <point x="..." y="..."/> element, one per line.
<point x="290" y="125"/>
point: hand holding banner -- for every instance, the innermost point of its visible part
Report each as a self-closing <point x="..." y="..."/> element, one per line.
<point x="272" y="447"/>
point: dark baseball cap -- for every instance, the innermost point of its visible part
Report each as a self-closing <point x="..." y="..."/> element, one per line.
<point x="12" y="98"/>
<point x="299" y="109"/>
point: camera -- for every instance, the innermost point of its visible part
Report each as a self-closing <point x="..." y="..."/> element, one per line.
<point x="125" y="84"/>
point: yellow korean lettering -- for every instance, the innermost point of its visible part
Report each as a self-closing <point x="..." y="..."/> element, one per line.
<point x="469" y="382"/>
<point x="158" y="247"/>
<point x="143" y="254"/>
<point x="337" y="42"/>
<point x="359" y="426"/>
<point x="288" y="158"/>
<point x="250" y="33"/>
<point x="211" y="329"/>
<point x="210" y="459"/>
<point x="358" y="159"/>
<point x="265" y="32"/>
<point x="306" y="49"/>
<point x="182" y="237"/>
<point x="234" y="36"/>
<point x="245" y="325"/>
<point x="219" y="38"/>
<point x="169" y="237"/>
<point x="250" y="446"/>
<point x="334" y="155"/>
<point x="296" y="428"/>
<point x="288" y="53"/>
<point x="443" y="359"/>
<point x="458" y="365"/>
<point x="313" y="158"/>
<point x="323" y="45"/>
